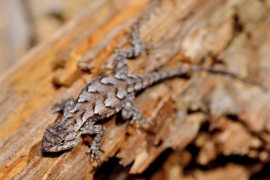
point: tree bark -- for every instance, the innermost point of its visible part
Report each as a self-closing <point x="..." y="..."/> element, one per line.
<point x="204" y="120"/>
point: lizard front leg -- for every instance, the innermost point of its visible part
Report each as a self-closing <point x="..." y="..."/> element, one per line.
<point x="65" y="106"/>
<point x="98" y="130"/>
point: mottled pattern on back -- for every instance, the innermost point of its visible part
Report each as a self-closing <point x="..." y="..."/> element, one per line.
<point x="105" y="96"/>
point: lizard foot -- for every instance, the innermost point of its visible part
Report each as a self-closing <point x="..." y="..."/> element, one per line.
<point x="94" y="152"/>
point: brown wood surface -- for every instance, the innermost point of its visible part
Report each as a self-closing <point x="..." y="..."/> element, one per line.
<point x="220" y="116"/>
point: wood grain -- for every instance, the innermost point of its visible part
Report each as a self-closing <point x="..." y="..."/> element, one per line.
<point x="218" y="115"/>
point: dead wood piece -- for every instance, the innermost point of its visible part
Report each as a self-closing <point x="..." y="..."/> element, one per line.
<point x="199" y="119"/>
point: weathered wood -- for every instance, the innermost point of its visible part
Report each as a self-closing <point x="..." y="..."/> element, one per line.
<point x="179" y="34"/>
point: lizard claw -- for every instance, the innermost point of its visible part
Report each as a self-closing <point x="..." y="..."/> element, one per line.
<point x="100" y="149"/>
<point x="94" y="153"/>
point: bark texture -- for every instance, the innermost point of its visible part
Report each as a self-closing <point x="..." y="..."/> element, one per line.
<point x="207" y="126"/>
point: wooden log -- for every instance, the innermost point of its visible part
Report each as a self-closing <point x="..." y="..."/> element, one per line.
<point x="223" y="33"/>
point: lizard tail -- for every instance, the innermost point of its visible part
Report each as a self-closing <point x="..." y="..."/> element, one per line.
<point x="155" y="77"/>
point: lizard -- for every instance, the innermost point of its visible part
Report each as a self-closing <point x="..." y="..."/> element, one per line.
<point x="105" y="96"/>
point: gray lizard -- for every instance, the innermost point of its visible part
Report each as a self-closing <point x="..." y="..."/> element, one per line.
<point x="105" y="96"/>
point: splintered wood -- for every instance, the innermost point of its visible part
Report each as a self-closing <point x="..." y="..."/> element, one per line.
<point x="207" y="126"/>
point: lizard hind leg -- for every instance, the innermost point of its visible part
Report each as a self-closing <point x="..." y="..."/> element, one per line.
<point x="131" y="111"/>
<point x="98" y="130"/>
<point x="137" y="117"/>
<point x="138" y="47"/>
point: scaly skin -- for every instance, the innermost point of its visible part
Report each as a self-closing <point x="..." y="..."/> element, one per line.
<point x="105" y="96"/>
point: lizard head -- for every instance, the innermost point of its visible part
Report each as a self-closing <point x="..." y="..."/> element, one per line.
<point x="54" y="139"/>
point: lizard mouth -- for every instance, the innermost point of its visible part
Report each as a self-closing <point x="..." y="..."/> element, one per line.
<point x="50" y="148"/>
